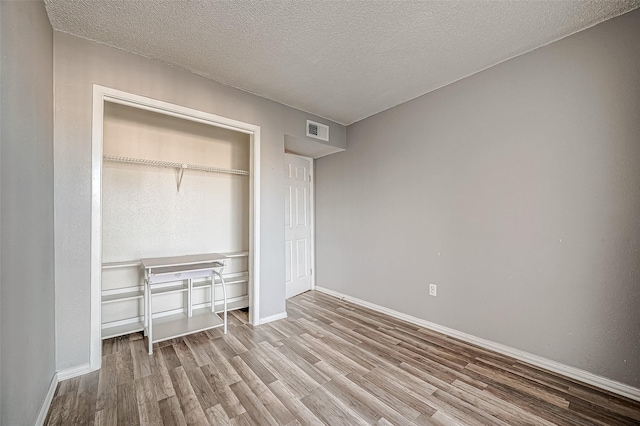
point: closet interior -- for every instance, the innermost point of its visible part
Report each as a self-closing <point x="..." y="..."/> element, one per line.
<point x="171" y="188"/>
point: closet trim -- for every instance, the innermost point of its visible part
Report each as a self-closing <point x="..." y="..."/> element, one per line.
<point x="102" y="94"/>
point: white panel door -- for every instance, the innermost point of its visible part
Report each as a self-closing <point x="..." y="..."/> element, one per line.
<point x="297" y="224"/>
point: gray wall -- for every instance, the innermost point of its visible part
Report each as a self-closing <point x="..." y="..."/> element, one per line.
<point x="27" y="363"/>
<point x="79" y="64"/>
<point x="517" y="191"/>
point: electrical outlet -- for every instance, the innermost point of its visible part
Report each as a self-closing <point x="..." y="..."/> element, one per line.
<point x="433" y="290"/>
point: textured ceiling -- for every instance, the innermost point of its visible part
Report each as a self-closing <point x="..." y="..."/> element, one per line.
<point x="340" y="60"/>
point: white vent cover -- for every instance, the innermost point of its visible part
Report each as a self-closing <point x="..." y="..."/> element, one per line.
<point x="317" y="130"/>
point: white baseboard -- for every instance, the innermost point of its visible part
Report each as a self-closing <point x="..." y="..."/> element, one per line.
<point x="47" y="400"/>
<point x="556" y="367"/>
<point x="70" y="373"/>
<point x="275" y="317"/>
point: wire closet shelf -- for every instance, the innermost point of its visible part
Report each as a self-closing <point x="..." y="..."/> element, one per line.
<point x="174" y="165"/>
<point x="180" y="167"/>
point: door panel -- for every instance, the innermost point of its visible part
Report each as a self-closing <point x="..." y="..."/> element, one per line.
<point x="301" y="207"/>
<point x="301" y="253"/>
<point x="288" y="255"/>
<point x="297" y="224"/>
<point x="287" y="207"/>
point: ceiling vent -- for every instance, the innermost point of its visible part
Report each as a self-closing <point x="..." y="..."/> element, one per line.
<point x="317" y="130"/>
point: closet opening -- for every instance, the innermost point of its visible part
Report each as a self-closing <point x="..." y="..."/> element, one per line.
<point x="170" y="183"/>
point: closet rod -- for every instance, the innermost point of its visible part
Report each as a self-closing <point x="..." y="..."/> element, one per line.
<point x="171" y="164"/>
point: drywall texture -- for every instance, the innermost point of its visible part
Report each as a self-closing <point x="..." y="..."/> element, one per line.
<point x="144" y="214"/>
<point x="516" y="191"/>
<point x="79" y="64"/>
<point x="26" y="193"/>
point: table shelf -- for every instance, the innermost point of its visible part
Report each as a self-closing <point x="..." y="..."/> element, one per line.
<point x="178" y="325"/>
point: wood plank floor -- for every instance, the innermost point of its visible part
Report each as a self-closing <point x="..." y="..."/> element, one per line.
<point x="329" y="362"/>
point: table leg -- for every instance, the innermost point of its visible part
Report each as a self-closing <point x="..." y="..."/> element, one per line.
<point x="150" y="313"/>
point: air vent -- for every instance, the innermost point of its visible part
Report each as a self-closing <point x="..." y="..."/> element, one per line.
<point x="317" y="130"/>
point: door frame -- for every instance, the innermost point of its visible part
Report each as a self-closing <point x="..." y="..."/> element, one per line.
<point x="102" y="94"/>
<point x="312" y="217"/>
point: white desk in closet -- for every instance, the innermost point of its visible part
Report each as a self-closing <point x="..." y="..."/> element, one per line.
<point x="165" y="275"/>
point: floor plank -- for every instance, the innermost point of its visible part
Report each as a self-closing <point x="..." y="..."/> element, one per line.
<point x="329" y="362"/>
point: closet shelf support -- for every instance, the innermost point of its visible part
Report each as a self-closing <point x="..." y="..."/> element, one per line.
<point x="180" y="174"/>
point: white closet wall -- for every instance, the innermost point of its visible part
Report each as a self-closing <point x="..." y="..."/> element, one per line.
<point x="144" y="215"/>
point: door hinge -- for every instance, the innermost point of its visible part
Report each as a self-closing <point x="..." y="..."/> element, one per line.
<point x="311" y="271"/>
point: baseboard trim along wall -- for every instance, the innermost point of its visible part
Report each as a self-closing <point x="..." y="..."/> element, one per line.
<point x="556" y="367"/>
<point x="270" y="318"/>
<point x="47" y="400"/>
<point x="70" y="373"/>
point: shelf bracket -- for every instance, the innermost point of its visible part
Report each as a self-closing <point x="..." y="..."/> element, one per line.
<point x="180" y="173"/>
